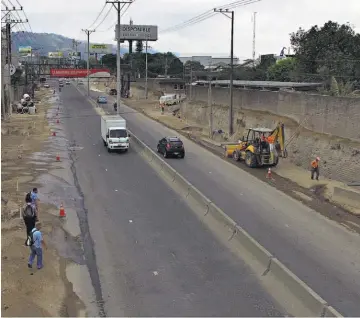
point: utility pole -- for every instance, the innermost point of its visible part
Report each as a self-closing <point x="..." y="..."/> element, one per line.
<point x="210" y="105"/>
<point x="118" y="7"/>
<point x="146" y="69"/>
<point x="88" y="32"/>
<point x="254" y="38"/>
<point x="7" y="108"/>
<point x="75" y="46"/>
<point x="226" y="12"/>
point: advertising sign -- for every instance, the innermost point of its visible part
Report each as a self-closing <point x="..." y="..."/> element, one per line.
<point x="137" y="32"/>
<point x="75" y="55"/>
<point x="100" y="48"/>
<point x="79" y="72"/>
<point x="55" y="55"/>
<point x="25" y="49"/>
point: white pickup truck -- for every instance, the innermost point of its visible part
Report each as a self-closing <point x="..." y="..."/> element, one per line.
<point x="114" y="133"/>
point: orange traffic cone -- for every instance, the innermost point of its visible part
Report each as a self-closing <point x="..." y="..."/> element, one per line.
<point x="269" y="174"/>
<point x="57" y="157"/>
<point x="62" y="212"/>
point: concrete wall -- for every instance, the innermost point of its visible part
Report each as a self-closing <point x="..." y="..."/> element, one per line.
<point x="337" y="116"/>
<point x="154" y="85"/>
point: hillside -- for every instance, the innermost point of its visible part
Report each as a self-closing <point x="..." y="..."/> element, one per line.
<point x="50" y="42"/>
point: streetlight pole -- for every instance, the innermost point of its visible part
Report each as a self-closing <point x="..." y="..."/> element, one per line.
<point x="226" y="12"/>
<point x="146" y="69"/>
<point x="88" y="32"/>
<point x="118" y="7"/>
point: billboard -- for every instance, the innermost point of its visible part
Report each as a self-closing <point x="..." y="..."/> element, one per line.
<point x="137" y="32"/>
<point x="79" y="72"/>
<point x="100" y="49"/>
<point x="55" y="55"/>
<point x="75" y="55"/>
<point x="25" y="49"/>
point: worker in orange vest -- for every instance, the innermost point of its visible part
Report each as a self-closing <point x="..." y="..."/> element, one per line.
<point x="315" y="168"/>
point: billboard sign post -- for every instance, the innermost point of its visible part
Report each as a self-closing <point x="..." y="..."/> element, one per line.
<point x="137" y="32"/>
<point x="55" y="55"/>
<point x="25" y="49"/>
<point x="100" y="49"/>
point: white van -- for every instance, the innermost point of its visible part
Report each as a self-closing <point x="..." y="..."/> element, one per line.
<point x="171" y="99"/>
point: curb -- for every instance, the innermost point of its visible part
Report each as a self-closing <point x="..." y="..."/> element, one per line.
<point x="312" y="303"/>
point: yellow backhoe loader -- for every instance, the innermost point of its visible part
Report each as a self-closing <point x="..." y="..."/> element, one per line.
<point x="261" y="147"/>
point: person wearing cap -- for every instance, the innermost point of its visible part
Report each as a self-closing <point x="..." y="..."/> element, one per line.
<point x="315" y="168"/>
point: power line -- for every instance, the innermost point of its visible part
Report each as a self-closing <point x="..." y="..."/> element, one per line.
<point x="207" y="14"/>
<point x="103" y="18"/>
<point x="102" y="10"/>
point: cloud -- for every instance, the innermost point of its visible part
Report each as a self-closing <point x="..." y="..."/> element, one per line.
<point x="276" y="19"/>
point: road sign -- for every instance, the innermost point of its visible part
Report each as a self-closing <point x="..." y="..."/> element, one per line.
<point x="137" y="32"/>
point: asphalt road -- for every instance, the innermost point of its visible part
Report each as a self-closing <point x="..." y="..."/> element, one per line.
<point x="154" y="257"/>
<point x="320" y="252"/>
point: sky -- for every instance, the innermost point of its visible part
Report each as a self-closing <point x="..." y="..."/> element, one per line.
<point x="275" y="20"/>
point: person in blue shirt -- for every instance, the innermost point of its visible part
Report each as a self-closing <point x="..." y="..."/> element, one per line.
<point x="35" y="200"/>
<point x="36" y="247"/>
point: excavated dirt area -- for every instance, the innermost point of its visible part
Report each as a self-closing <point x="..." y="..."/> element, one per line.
<point x="29" y="292"/>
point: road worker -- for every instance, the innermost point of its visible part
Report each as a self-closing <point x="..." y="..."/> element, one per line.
<point x="315" y="168"/>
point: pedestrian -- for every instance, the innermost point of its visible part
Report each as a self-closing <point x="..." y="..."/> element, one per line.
<point x="37" y="242"/>
<point x="315" y="168"/>
<point x="35" y="200"/>
<point x="29" y="216"/>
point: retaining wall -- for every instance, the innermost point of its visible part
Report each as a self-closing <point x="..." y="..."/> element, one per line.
<point x="337" y="116"/>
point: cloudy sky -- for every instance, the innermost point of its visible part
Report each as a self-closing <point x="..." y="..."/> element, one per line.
<point x="274" y="21"/>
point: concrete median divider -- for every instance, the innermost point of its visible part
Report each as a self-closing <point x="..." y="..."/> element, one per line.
<point x="292" y="293"/>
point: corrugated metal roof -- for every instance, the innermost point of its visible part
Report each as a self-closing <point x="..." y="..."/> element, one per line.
<point x="261" y="83"/>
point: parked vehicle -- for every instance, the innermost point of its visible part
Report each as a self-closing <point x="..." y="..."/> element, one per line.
<point x="171" y="99"/>
<point x="112" y="91"/>
<point x="171" y="146"/>
<point x="101" y="100"/>
<point x="114" y="133"/>
<point x="67" y="83"/>
<point x="46" y="86"/>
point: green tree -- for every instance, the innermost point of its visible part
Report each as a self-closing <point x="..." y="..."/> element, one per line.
<point x="139" y="46"/>
<point x="283" y="70"/>
<point x="332" y="49"/>
<point x="109" y="60"/>
<point x="194" y="65"/>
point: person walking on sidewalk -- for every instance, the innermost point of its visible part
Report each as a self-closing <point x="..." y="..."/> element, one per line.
<point x="29" y="216"/>
<point x="35" y="200"/>
<point x="37" y="242"/>
<point x="315" y="168"/>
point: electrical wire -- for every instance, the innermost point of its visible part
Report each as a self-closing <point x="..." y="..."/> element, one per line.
<point x="207" y="14"/>
<point x="102" y="10"/>
<point x="102" y="21"/>
<point x="122" y="14"/>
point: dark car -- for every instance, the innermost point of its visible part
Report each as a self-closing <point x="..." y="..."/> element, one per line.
<point x="171" y="146"/>
<point x="113" y="91"/>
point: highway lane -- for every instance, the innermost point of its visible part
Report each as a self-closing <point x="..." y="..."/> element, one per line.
<point x="154" y="257"/>
<point x="322" y="253"/>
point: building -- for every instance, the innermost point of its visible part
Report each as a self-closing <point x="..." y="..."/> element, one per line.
<point x="211" y="63"/>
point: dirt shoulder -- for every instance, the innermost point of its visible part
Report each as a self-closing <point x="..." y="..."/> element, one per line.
<point x="29" y="292"/>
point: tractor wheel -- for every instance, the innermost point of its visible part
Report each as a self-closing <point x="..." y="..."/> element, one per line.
<point x="236" y="155"/>
<point x="250" y="160"/>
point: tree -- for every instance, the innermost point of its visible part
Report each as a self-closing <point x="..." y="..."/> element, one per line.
<point x="333" y="50"/>
<point x="194" y="66"/>
<point x="139" y="46"/>
<point x="283" y="70"/>
<point x="109" y="60"/>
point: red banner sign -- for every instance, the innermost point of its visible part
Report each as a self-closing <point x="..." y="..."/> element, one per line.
<point x="76" y="72"/>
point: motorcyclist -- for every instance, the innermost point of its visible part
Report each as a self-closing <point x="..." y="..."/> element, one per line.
<point x="115" y="106"/>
